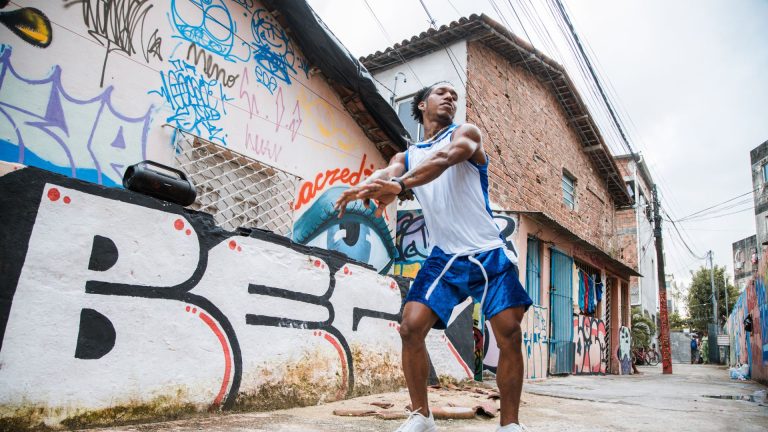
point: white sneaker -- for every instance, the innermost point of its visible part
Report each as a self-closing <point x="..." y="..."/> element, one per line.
<point x="512" y="427"/>
<point x="418" y="423"/>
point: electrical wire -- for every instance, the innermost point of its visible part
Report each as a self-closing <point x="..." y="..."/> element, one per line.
<point x="389" y="40"/>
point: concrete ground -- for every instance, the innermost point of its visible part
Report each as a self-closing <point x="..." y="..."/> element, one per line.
<point x="646" y="402"/>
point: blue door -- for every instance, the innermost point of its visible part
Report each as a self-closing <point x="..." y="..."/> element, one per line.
<point x="561" y="354"/>
<point x="533" y="270"/>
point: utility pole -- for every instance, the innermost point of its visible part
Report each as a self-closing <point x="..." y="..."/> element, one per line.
<point x="666" y="354"/>
<point x="715" y="318"/>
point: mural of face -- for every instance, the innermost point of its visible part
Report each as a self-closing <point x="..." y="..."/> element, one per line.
<point x="359" y="234"/>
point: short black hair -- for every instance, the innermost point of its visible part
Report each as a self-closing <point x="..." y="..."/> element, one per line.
<point x="421" y="96"/>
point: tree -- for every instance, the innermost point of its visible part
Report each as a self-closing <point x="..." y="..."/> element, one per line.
<point x="678" y="323"/>
<point x="700" y="298"/>
<point x="643" y="329"/>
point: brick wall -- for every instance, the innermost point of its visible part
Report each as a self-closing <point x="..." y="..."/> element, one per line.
<point x="524" y="125"/>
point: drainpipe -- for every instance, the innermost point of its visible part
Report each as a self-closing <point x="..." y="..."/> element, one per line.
<point x="637" y="231"/>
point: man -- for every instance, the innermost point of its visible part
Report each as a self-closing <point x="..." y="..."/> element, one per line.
<point x="448" y="173"/>
<point x="694" y="350"/>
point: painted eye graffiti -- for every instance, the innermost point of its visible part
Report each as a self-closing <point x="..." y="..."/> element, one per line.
<point x="358" y="234"/>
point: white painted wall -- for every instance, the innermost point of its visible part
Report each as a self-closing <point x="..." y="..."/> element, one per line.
<point x="56" y="113"/>
<point x="429" y="69"/>
<point x="183" y="298"/>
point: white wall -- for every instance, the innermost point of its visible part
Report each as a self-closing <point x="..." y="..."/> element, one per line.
<point x="98" y="98"/>
<point x="119" y="300"/>
<point x="429" y="69"/>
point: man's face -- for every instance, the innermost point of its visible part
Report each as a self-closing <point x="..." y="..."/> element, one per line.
<point x="441" y="103"/>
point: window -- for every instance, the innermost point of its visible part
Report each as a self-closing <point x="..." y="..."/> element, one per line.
<point x="631" y="189"/>
<point x="533" y="270"/>
<point x="765" y="173"/>
<point x="569" y="190"/>
<point x="413" y="127"/>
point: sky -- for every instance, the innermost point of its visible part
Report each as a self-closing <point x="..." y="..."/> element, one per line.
<point x="687" y="77"/>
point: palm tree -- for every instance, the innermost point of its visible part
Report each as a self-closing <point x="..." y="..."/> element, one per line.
<point x="643" y="329"/>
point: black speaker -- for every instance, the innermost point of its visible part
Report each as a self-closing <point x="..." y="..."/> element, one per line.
<point x="160" y="181"/>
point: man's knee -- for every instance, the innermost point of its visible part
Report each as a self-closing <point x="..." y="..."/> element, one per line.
<point x="510" y="338"/>
<point x="412" y="333"/>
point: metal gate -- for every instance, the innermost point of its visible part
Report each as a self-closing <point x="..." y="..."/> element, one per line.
<point x="561" y="355"/>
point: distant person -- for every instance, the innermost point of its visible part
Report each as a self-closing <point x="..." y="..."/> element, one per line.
<point x="694" y="350"/>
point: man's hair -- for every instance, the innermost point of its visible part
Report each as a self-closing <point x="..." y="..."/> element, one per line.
<point x="419" y="97"/>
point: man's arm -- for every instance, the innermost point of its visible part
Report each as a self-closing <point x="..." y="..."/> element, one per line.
<point x="395" y="168"/>
<point x="466" y="144"/>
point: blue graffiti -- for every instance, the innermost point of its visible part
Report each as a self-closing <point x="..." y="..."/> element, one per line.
<point x="305" y="66"/>
<point x="359" y="234"/>
<point x="761" y="298"/>
<point x="272" y="51"/>
<point x="248" y="4"/>
<point x="209" y="25"/>
<point x="43" y="125"/>
<point x="197" y="103"/>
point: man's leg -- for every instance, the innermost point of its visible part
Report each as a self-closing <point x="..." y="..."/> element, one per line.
<point x="509" y="372"/>
<point x="418" y="319"/>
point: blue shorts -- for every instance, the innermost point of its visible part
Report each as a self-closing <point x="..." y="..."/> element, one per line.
<point x="465" y="279"/>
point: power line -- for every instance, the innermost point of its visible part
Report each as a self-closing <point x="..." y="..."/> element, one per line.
<point x="594" y="75"/>
<point x="389" y="40"/>
<point x="674" y="225"/>
<point x="716" y="205"/>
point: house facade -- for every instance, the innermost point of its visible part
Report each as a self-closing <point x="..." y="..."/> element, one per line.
<point x="635" y="230"/>
<point x="255" y="297"/>
<point x="553" y="186"/>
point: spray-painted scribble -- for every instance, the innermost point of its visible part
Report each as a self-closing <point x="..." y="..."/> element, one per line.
<point x="591" y="343"/>
<point x="623" y="352"/>
<point x="209" y="25"/>
<point x="508" y="226"/>
<point x="295" y="121"/>
<point x="272" y="51"/>
<point x="197" y="103"/>
<point x="261" y="146"/>
<point x="30" y="24"/>
<point x="248" y="4"/>
<point x="153" y="47"/>
<point x="535" y="344"/>
<point x="305" y="66"/>
<point x="42" y="125"/>
<point x="113" y="24"/>
<point x="212" y="70"/>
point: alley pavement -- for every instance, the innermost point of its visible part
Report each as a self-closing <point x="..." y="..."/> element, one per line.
<point x="695" y="398"/>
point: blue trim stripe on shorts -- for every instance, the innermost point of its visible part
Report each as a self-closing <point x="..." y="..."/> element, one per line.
<point x="464" y="279"/>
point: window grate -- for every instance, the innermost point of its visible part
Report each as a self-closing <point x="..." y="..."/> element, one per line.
<point x="237" y="190"/>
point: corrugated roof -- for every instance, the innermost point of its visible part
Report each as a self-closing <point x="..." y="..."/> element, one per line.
<point x="518" y="52"/>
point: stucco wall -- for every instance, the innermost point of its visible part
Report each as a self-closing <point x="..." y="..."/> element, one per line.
<point x="118" y="79"/>
<point x="113" y="301"/>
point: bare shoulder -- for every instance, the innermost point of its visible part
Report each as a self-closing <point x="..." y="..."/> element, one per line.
<point x="470" y="131"/>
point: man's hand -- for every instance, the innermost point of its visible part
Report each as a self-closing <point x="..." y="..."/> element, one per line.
<point x="383" y="192"/>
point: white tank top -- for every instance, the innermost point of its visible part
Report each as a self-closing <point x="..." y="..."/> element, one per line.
<point x="455" y="205"/>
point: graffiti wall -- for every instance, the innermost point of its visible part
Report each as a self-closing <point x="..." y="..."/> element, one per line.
<point x="591" y="342"/>
<point x="112" y="299"/>
<point x="88" y="87"/>
<point x="535" y="344"/>
<point x="624" y="351"/>
<point x="412" y="248"/>
<point x="412" y="239"/>
<point x="750" y="345"/>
